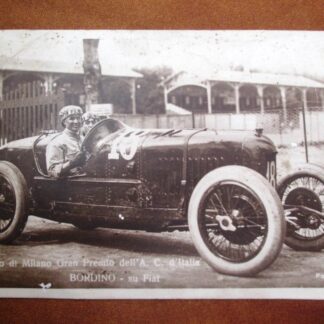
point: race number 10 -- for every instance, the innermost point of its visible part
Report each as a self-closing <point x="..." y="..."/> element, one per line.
<point x="124" y="146"/>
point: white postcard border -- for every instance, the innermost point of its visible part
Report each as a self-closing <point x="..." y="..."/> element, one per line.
<point x="180" y="293"/>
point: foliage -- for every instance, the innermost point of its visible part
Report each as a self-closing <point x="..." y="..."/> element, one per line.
<point x="118" y="93"/>
<point x="149" y="95"/>
<point x="149" y="92"/>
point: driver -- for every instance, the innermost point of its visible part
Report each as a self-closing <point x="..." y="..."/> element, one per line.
<point x="63" y="155"/>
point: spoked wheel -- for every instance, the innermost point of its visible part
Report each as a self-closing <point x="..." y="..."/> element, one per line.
<point x="236" y="221"/>
<point x="302" y="194"/>
<point x="7" y="204"/>
<point x="13" y="202"/>
<point x="241" y="222"/>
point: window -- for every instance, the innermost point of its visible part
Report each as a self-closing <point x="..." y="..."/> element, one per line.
<point x="187" y="100"/>
<point x="174" y="100"/>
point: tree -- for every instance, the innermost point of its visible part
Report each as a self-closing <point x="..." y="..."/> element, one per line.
<point x="118" y="93"/>
<point x="149" y="95"/>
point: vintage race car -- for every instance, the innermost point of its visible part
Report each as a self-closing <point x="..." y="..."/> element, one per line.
<point x="219" y="185"/>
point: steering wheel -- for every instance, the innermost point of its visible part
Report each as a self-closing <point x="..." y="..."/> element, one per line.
<point x="99" y="131"/>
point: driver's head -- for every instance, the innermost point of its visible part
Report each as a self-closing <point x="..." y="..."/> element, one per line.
<point x="71" y="117"/>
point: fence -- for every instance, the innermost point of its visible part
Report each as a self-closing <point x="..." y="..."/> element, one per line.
<point x="274" y="127"/>
<point x="218" y="121"/>
<point x="28" y="110"/>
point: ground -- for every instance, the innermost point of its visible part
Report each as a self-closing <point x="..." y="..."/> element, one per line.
<point x="292" y="156"/>
<point x="49" y="254"/>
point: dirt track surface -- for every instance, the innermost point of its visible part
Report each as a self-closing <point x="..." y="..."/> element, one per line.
<point x="129" y="259"/>
<point x="66" y="257"/>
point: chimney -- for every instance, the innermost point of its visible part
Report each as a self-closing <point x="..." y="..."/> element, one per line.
<point x="92" y="72"/>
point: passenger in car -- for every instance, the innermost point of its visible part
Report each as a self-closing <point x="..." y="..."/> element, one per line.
<point x="88" y="121"/>
<point x="63" y="153"/>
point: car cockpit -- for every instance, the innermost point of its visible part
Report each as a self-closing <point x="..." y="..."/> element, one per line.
<point x="91" y="144"/>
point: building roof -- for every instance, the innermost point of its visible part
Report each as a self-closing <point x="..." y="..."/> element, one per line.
<point x="265" y="79"/>
<point x="19" y="64"/>
<point x="289" y="80"/>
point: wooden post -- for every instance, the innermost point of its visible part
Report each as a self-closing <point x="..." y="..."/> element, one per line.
<point x="305" y="105"/>
<point x="1" y="86"/>
<point x="133" y="96"/>
<point x="260" y="93"/>
<point x="284" y="103"/>
<point x="237" y="98"/>
<point x="322" y="98"/>
<point x="29" y="89"/>
<point x="165" y="92"/>
<point x="209" y="104"/>
<point x="92" y="72"/>
<point x="48" y="84"/>
<point x="305" y="131"/>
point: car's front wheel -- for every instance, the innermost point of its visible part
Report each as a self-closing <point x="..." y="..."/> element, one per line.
<point x="13" y="202"/>
<point x="236" y="221"/>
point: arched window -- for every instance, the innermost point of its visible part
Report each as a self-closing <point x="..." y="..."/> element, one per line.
<point x="249" y="98"/>
<point x="272" y="98"/>
<point x="190" y="97"/>
<point x="223" y="97"/>
<point x="314" y="100"/>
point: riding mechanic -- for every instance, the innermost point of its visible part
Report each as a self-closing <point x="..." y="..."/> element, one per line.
<point x="88" y="121"/>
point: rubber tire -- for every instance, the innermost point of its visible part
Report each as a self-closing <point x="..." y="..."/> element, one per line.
<point x="18" y="183"/>
<point x="275" y="214"/>
<point x="317" y="172"/>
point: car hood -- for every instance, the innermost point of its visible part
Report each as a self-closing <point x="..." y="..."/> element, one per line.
<point x="201" y="138"/>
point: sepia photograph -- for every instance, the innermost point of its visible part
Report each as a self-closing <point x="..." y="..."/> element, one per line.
<point x="161" y="164"/>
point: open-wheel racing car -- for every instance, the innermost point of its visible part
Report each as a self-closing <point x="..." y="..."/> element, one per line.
<point x="219" y="185"/>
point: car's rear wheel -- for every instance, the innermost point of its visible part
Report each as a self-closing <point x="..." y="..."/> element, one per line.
<point x="236" y="221"/>
<point x="13" y="202"/>
<point x="304" y="187"/>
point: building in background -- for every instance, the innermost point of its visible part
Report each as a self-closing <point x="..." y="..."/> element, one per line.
<point x="18" y="75"/>
<point x="243" y="92"/>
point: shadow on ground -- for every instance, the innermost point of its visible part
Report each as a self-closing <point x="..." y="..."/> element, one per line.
<point x="135" y="241"/>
